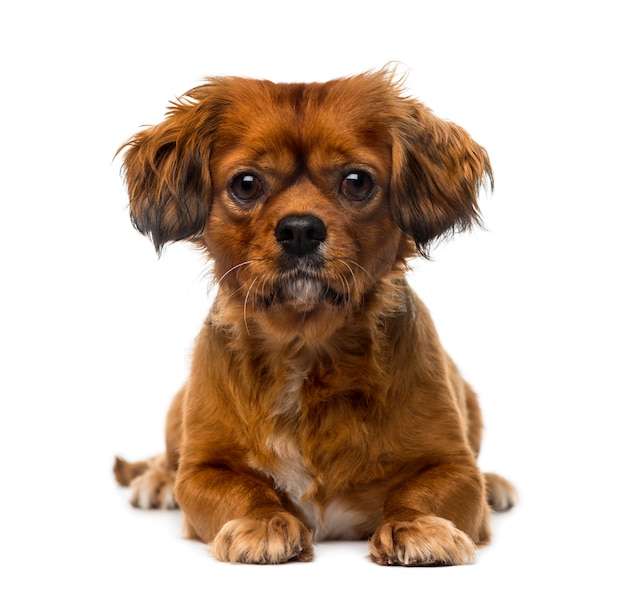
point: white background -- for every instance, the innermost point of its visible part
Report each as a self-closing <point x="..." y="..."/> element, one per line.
<point x="96" y="332"/>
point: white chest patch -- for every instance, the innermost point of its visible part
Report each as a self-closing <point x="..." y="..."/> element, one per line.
<point x="292" y="476"/>
<point x="289" y="472"/>
<point x="333" y="520"/>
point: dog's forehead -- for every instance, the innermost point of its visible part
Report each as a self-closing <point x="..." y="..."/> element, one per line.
<point x="322" y="122"/>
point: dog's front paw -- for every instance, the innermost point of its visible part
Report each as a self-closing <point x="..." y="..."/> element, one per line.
<point x="427" y="540"/>
<point x="277" y="539"/>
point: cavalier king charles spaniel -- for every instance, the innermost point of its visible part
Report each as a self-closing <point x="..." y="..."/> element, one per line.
<point x="320" y="403"/>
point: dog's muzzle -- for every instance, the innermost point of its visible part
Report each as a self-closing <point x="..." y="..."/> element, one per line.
<point x="301" y="238"/>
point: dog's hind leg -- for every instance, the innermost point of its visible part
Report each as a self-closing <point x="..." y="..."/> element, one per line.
<point x="151" y="482"/>
<point x="501" y="494"/>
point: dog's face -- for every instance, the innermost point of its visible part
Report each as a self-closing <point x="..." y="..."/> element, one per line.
<point x="300" y="223"/>
<point x="304" y="195"/>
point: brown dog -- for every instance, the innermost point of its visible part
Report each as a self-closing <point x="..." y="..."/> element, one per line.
<point x="320" y="403"/>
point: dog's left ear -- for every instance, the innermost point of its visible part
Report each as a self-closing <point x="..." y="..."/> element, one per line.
<point x="167" y="169"/>
<point x="437" y="173"/>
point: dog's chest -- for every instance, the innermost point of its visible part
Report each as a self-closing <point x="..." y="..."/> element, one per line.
<point x="327" y="516"/>
<point x="296" y="473"/>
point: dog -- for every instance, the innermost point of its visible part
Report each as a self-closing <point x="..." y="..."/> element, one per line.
<point x="320" y="403"/>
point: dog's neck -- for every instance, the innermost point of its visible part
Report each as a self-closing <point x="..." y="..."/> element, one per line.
<point x="290" y="373"/>
<point x="301" y="353"/>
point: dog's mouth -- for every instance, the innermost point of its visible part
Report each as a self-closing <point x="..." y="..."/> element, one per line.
<point x="303" y="292"/>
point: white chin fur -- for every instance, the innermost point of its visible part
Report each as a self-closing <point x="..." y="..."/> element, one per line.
<point x="304" y="291"/>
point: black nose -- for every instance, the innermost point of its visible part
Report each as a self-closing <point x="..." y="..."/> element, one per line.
<point x="300" y="234"/>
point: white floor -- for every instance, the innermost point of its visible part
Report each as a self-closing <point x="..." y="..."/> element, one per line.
<point x="96" y="541"/>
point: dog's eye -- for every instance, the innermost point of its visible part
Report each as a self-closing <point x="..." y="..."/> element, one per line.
<point x="246" y="187"/>
<point x="357" y="185"/>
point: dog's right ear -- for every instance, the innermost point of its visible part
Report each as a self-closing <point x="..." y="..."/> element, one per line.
<point x="438" y="171"/>
<point x="166" y="168"/>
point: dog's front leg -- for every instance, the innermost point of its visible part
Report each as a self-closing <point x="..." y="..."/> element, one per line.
<point x="434" y="518"/>
<point x="242" y="517"/>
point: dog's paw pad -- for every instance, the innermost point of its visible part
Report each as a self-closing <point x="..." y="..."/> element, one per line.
<point x="427" y="540"/>
<point x="278" y="539"/>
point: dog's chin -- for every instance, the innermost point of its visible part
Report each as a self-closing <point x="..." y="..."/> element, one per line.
<point x="299" y="292"/>
<point x="305" y="294"/>
<point x="299" y="306"/>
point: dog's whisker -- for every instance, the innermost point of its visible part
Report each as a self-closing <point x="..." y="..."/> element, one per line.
<point x="361" y="267"/>
<point x="349" y="268"/>
<point x="354" y="279"/>
<point x="346" y="298"/>
<point x="234" y="268"/>
<point x="245" y="305"/>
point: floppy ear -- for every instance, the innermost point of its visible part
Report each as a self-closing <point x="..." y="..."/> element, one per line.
<point x="167" y="171"/>
<point x="437" y="173"/>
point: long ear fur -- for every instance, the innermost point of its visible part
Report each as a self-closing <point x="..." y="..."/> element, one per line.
<point x="167" y="169"/>
<point x="438" y="171"/>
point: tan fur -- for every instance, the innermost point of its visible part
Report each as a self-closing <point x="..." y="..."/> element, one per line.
<point x="320" y="403"/>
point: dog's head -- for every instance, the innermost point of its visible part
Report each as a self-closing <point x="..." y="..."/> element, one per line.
<point x="304" y="195"/>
